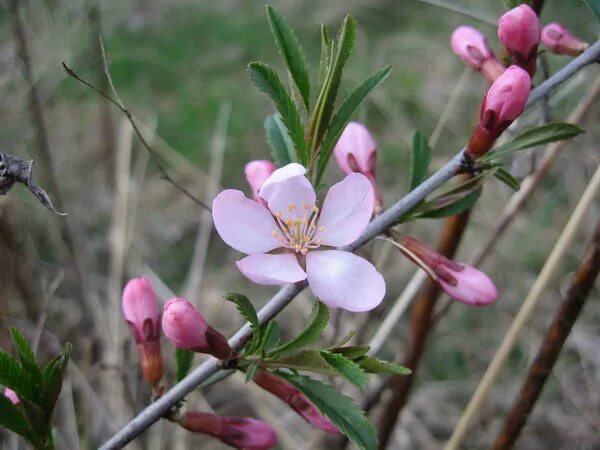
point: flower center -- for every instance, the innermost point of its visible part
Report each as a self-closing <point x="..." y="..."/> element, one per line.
<point x="299" y="234"/>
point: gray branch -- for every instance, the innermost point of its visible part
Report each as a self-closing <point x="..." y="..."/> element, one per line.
<point x="286" y="294"/>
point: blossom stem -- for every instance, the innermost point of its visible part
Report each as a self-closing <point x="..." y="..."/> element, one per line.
<point x="158" y="409"/>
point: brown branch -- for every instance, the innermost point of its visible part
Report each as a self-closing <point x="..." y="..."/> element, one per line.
<point x="581" y="284"/>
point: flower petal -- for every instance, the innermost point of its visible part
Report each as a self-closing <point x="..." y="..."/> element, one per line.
<point x="344" y="280"/>
<point x="244" y="224"/>
<point x="347" y="210"/>
<point x="288" y="171"/>
<point x="277" y="269"/>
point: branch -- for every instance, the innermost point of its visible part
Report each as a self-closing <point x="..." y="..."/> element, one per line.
<point x="286" y="294"/>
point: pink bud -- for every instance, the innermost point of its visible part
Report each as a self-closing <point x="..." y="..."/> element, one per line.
<point x="461" y="282"/>
<point x="239" y="432"/>
<point x="356" y="151"/>
<point x="140" y="309"/>
<point x="293" y="397"/>
<point x="472" y="47"/>
<point x="519" y="30"/>
<point x="504" y="102"/>
<point x="557" y="39"/>
<point x="12" y="396"/>
<point x="186" y="328"/>
<point x="256" y="174"/>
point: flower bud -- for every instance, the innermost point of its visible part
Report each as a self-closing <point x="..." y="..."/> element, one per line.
<point x="356" y="151"/>
<point x="239" y="432"/>
<point x="519" y="31"/>
<point x="472" y="47"/>
<point x="504" y="102"/>
<point x="461" y="282"/>
<point x="557" y="39"/>
<point x="293" y="397"/>
<point x="256" y="174"/>
<point x="140" y="309"/>
<point x="186" y="328"/>
<point x="12" y="396"/>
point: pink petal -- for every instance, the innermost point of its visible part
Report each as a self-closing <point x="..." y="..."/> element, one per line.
<point x="473" y="287"/>
<point x="343" y="280"/>
<point x="347" y="210"/>
<point x="244" y="224"/>
<point x="277" y="269"/>
<point x="284" y="173"/>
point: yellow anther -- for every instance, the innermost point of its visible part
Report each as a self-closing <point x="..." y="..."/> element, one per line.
<point x="315" y="209"/>
<point x="292" y="207"/>
<point x="321" y="228"/>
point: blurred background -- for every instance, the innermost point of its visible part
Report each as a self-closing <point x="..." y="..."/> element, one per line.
<point x="180" y="67"/>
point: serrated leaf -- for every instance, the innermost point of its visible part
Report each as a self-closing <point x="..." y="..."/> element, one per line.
<point x="309" y="360"/>
<point x="504" y="176"/>
<point x="448" y="206"/>
<point x="250" y="371"/>
<point x="183" y="363"/>
<point x="246" y="309"/>
<point x="352" y="352"/>
<point x="374" y="365"/>
<point x="53" y="375"/>
<point x="268" y="82"/>
<point x="420" y="157"/>
<point x="346" y="368"/>
<point x="26" y="355"/>
<point x="270" y="336"/>
<point x="292" y="52"/>
<point x="317" y="322"/>
<point x="12" y="375"/>
<point x="344" y="113"/>
<point x="325" y="55"/>
<point x="12" y="419"/>
<point x="552" y="132"/>
<point x="594" y="5"/>
<point x="340" y="409"/>
<point x="282" y="147"/>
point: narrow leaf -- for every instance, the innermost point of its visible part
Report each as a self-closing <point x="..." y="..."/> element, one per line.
<point x="250" y="371"/>
<point x="53" y="375"/>
<point x="310" y="360"/>
<point x="292" y="52"/>
<point x="352" y="352"/>
<point x="12" y="419"/>
<point x="505" y="176"/>
<point x="449" y="206"/>
<point x="318" y="320"/>
<point x="342" y="410"/>
<point x="282" y="147"/>
<point x="346" y="368"/>
<point x="544" y="134"/>
<point x="374" y="365"/>
<point x="325" y="55"/>
<point x="183" y="363"/>
<point x="344" y="113"/>
<point x="419" y="160"/>
<point x="270" y="336"/>
<point x="268" y="82"/>
<point x="12" y="375"/>
<point x="246" y="309"/>
<point x="27" y="359"/>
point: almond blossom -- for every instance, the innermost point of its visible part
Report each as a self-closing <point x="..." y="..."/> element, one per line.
<point x="291" y="239"/>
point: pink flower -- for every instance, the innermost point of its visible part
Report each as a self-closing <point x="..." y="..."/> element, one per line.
<point x="239" y="432"/>
<point x="503" y="103"/>
<point x="287" y="240"/>
<point x="461" y="282"/>
<point x="557" y="39"/>
<point x="256" y="174"/>
<point x="519" y="30"/>
<point x="472" y="47"/>
<point x="140" y="309"/>
<point x="186" y="328"/>
<point x="356" y="151"/>
<point x="293" y="397"/>
<point x="12" y="396"/>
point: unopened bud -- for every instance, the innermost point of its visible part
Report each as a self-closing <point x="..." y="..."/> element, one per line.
<point x="12" y="396"/>
<point x="186" y="328"/>
<point x="239" y="432"/>
<point x="460" y="281"/>
<point x="519" y="30"/>
<point x="295" y="399"/>
<point x="256" y="174"/>
<point x="504" y="102"/>
<point x="472" y="47"/>
<point x="356" y="151"/>
<point x="557" y="39"/>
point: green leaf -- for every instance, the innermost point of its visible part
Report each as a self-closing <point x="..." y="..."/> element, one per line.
<point x="26" y="355"/>
<point x="12" y="419"/>
<point x="53" y="375"/>
<point x="282" y="147"/>
<point x="448" y="206"/>
<point x="374" y="365"/>
<point x="552" y="132"/>
<point x="246" y="309"/>
<point x="317" y="322"/>
<point x="342" y="410"/>
<point x="12" y="375"/>
<point x="352" y="352"/>
<point x="310" y="360"/>
<point x="292" y="52"/>
<point x="325" y="55"/>
<point x="346" y="368"/>
<point x="419" y="160"/>
<point x="594" y="5"/>
<point x="344" y="113"/>
<point x="270" y="336"/>
<point x="505" y="176"/>
<point x="250" y="371"/>
<point x="183" y="363"/>
<point x="268" y="82"/>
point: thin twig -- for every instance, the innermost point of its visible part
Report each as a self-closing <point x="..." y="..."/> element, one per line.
<point x="499" y="359"/>
<point x="279" y="301"/>
<point x="581" y="284"/>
